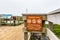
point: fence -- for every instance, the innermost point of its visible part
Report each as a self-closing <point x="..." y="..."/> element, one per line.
<point x="51" y="35"/>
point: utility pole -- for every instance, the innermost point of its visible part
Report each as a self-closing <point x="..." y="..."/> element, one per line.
<point x="26" y="10"/>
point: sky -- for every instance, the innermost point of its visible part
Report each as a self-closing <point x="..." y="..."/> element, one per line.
<point x="17" y="7"/>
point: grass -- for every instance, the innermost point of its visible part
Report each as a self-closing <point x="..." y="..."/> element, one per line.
<point x="46" y="25"/>
<point x="56" y="30"/>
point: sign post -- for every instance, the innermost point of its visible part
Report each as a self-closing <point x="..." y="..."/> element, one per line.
<point x="33" y="24"/>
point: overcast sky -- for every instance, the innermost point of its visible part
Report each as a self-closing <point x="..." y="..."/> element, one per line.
<point x="17" y="7"/>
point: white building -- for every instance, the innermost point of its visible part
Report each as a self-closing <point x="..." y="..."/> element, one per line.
<point x="54" y="16"/>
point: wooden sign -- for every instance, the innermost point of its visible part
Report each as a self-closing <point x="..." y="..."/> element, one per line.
<point x="34" y="23"/>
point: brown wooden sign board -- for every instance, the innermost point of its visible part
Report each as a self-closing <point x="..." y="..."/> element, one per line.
<point x="34" y="23"/>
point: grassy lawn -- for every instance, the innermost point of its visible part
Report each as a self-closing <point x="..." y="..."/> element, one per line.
<point x="56" y="30"/>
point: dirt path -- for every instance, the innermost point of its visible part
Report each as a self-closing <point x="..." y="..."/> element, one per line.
<point x="21" y="34"/>
<point x="12" y="32"/>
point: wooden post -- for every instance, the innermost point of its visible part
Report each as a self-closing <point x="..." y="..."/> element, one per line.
<point x="0" y="21"/>
<point x="25" y="35"/>
<point x="43" y="36"/>
<point x="50" y="26"/>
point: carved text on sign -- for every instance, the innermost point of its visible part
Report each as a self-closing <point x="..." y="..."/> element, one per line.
<point x="34" y="23"/>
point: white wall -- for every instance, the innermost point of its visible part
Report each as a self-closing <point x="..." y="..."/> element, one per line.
<point x="55" y="18"/>
<point x="58" y="18"/>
